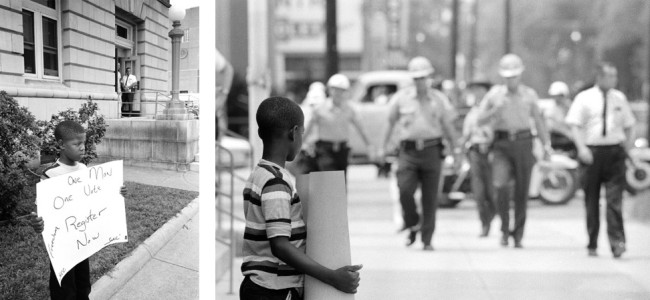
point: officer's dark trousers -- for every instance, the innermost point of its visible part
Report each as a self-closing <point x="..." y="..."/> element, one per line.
<point x="75" y="285"/>
<point x="513" y="160"/>
<point x="608" y="168"/>
<point x="481" y="182"/>
<point x="419" y="167"/>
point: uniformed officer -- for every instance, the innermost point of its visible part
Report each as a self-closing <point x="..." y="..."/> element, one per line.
<point x="423" y="116"/>
<point x="509" y="109"/>
<point x="602" y="124"/>
<point x="332" y="119"/>
<point x="477" y="141"/>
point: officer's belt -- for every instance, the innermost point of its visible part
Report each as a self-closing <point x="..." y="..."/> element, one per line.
<point x="335" y="146"/>
<point x="513" y="135"/>
<point x="420" y="144"/>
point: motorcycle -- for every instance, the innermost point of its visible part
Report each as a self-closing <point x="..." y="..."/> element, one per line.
<point x="554" y="182"/>
<point x="638" y="175"/>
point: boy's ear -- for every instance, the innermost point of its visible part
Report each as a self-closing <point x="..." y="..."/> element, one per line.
<point x="60" y="143"/>
<point x="292" y="133"/>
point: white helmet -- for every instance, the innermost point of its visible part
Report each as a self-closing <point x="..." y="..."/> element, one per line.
<point x="558" y="88"/>
<point x="339" y="81"/>
<point x="510" y="65"/>
<point x="317" y="86"/>
<point x="420" y="66"/>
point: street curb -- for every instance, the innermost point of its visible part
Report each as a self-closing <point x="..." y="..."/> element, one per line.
<point x="109" y="284"/>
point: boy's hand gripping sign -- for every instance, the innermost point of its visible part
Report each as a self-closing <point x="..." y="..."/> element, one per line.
<point x="83" y="212"/>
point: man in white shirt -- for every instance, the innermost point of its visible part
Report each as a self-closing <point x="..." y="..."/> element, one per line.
<point x="602" y="124"/>
<point x="129" y="82"/>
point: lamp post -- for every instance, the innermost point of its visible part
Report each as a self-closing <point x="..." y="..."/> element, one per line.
<point x="176" y="109"/>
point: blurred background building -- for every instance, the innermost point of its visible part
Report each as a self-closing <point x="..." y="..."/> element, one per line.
<point x="464" y="39"/>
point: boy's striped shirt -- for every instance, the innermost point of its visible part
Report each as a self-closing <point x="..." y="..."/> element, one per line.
<point x="272" y="208"/>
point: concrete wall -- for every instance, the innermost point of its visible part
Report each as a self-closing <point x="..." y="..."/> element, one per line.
<point x="163" y="144"/>
<point x="87" y="49"/>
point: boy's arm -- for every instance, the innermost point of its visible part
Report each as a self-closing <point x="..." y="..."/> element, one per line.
<point x="345" y="279"/>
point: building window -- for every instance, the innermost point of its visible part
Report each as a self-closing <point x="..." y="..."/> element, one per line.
<point x="28" y="42"/>
<point x="186" y="36"/>
<point x="48" y="3"/>
<point x="121" y="31"/>
<point x="41" y="39"/>
<point x="50" y="47"/>
<point x="124" y="34"/>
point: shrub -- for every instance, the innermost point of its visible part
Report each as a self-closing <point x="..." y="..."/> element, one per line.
<point x="18" y="145"/>
<point x="86" y="116"/>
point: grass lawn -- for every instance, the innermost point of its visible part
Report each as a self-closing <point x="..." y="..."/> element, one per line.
<point x="24" y="266"/>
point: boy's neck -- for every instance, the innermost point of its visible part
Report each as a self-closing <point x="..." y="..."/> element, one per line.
<point x="66" y="161"/>
<point x="278" y="156"/>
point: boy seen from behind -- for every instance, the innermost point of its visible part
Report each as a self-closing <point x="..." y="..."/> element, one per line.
<point x="275" y="236"/>
<point x="71" y="137"/>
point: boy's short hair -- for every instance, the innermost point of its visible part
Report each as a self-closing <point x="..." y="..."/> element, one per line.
<point x="67" y="129"/>
<point x="277" y="114"/>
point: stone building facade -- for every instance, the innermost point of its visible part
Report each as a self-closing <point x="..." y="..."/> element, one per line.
<point x="55" y="54"/>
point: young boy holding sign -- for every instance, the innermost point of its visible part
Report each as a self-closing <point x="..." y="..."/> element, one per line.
<point x="274" y="239"/>
<point x="71" y="137"/>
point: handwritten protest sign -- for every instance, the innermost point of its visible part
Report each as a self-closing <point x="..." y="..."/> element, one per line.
<point x="325" y="211"/>
<point x="83" y="212"/>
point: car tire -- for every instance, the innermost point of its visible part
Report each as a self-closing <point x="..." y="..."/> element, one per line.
<point x="558" y="186"/>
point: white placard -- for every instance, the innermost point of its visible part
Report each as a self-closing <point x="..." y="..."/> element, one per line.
<point x="325" y="207"/>
<point x="83" y="212"/>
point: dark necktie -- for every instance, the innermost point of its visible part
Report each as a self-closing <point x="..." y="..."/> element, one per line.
<point x="604" y="112"/>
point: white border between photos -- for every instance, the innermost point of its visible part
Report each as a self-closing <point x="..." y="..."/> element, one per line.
<point x="207" y="215"/>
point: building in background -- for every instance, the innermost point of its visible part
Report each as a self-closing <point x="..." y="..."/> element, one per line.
<point x="386" y="34"/>
<point x="300" y="40"/>
<point x="56" y="54"/>
<point x="189" y="73"/>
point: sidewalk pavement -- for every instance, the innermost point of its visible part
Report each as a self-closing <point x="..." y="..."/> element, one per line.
<point x="553" y="265"/>
<point x="166" y="265"/>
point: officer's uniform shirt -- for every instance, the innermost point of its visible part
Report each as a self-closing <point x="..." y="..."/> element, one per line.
<point x="587" y="112"/>
<point x="333" y="122"/>
<point x="516" y="113"/>
<point x="416" y="121"/>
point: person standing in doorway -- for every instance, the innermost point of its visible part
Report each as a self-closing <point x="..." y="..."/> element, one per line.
<point x="477" y="141"/>
<point x="602" y="123"/>
<point x="118" y="84"/>
<point x="424" y="116"/>
<point x="129" y="82"/>
<point x="333" y="119"/>
<point x="509" y="109"/>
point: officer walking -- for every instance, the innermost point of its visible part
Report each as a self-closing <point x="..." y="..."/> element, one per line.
<point x="477" y="141"/>
<point x="423" y="116"/>
<point x="333" y="119"/>
<point x="560" y="131"/>
<point x="602" y="122"/>
<point x="508" y="109"/>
